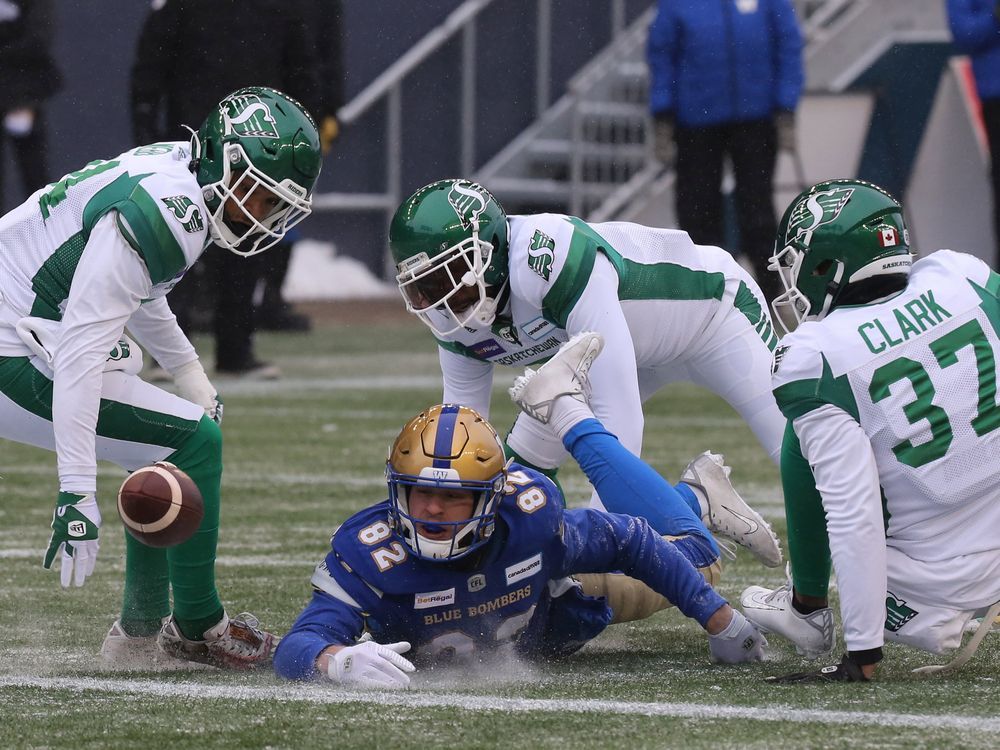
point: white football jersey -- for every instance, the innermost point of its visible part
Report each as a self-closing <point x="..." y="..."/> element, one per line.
<point x="895" y="407"/>
<point x="158" y="210"/>
<point x="918" y="372"/>
<point x="653" y="294"/>
<point x="87" y="256"/>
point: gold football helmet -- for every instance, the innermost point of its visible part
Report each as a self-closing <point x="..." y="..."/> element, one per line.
<point x="449" y="447"/>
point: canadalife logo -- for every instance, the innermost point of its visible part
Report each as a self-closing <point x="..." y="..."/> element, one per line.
<point x="815" y="211"/>
<point x="249" y="117"/>
<point x="469" y="201"/>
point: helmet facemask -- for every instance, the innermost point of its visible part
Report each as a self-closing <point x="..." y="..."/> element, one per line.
<point x="240" y="181"/>
<point x="459" y="538"/>
<point x="438" y="289"/>
<point x="788" y="263"/>
<point x="257" y="157"/>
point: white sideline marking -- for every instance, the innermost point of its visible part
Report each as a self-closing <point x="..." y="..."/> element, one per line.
<point x="411" y="699"/>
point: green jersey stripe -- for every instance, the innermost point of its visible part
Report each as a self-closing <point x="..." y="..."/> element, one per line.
<point x="142" y="225"/>
<point x="803" y="396"/>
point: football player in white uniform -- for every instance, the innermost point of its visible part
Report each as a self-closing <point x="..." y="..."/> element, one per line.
<point x="509" y="290"/>
<point x="96" y="252"/>
<point x="889" y="385"/>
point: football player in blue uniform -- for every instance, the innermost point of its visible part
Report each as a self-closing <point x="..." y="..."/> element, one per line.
<point x="473" y="554"/>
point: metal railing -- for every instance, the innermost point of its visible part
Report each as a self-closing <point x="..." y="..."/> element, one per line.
<point x="388" y="88"/>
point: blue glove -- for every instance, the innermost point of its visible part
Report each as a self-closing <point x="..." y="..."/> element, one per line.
<point x="75" y="523"/>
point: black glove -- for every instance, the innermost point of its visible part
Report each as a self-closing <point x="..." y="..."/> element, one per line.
<point x="846" y="671"/>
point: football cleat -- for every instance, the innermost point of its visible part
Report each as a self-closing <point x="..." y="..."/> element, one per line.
<point x="563" y="375"/>
<point x="121" y="651"/>
<point x="727" y="514"/>
<point x="772" y="612"/>
<point x="236" y="643"/>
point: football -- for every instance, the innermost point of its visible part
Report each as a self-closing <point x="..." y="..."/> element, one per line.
<point x="160" y="505"/>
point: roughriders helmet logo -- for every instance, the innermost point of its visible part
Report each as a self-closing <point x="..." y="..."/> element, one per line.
<point x="186" y="212"/>
<point x="249" y="117"/>
<point x="815" y="211"/>
<point x="469" y="201"/>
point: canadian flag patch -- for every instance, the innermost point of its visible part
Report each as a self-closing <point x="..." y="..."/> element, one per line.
<point x="888" y="237"/>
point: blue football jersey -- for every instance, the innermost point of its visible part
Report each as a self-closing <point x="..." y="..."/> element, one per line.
<point x="513" y="594"/>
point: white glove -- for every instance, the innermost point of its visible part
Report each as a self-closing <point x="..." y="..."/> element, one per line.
<point x="372" y="665"/>
<point x="194" y="385"/>
<point x="740" y="641"/>
<point x="76" y="522"/>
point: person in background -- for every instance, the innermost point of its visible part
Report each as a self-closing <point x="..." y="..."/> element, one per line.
<point x="28" y="77"/>
<point x="725" y="79"/>
<point x="325" y="17"/>
<point x="975" y="26"/>
<point x="183" y="64"/>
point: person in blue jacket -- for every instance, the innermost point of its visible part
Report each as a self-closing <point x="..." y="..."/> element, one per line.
<point x="474" y="556"/>
<point x="975" y="26"/>
<point x="725" y="79"/>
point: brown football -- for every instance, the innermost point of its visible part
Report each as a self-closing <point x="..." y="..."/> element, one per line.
<point x="160" y="505"/>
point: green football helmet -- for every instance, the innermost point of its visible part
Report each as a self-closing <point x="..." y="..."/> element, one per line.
<point x="256" y="139"/>
<point x="449" y="243"/>
<point x="839" y="242"/>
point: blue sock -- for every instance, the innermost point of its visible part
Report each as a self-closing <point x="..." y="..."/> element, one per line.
<point x="685" y="491"/>
<point x="629" y="485"/>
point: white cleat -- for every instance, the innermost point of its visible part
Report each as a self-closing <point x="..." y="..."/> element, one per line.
<point x="124" y="652"/>
<point x="727" y="514"/>
<point x="772" y="612"/>
<point x="563" y="375"/>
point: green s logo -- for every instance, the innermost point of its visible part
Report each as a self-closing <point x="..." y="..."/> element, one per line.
<point x="185" y="212"/>
<point x="249" y="117"/>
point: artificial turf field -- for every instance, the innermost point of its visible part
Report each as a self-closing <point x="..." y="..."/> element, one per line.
<point x="303" y="453"/>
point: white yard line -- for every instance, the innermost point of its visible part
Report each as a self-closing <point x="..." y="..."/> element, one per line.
<point x="412" y="699"/>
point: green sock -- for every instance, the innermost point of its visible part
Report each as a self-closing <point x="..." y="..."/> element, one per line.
<point x="146" y="599"/>
<point x="197" y="606"/>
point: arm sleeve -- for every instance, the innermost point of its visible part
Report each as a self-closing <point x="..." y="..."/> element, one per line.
<point x="660" y="47"/>
<point x="973" y="25"/>
<point x="615" y="382"/>
<point x="598" y="542"/>
<point x="846" y="475"/>
<point x="808" y="542"/>
<point x="467" y="381"/>
<point x="788" y="56"/>
<point x="324" y="622"/>
<point x="154" y="56"/>
<point x="333" y="617"/>
<point x="109" y="283"/>
<point x="154" y="326"/>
